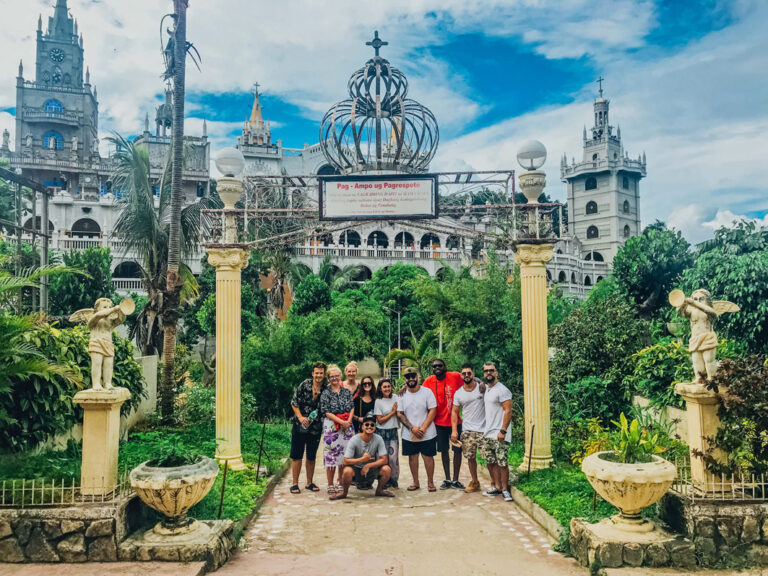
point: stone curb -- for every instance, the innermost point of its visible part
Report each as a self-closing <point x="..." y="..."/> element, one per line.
<point x="537" y="513"/>
<point x="242" y="524"/>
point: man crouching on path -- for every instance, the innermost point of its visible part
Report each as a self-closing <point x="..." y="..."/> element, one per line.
<point x="365" y="460"/>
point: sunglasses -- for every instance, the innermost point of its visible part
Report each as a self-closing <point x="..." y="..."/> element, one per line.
<point x="367" y="384"/>
<point x="438" y="365"/>
<point x="489" y="370"/>
<point x="409" y="376"/>
<point x="369" y="425"/>
<point x="466" y="373"/>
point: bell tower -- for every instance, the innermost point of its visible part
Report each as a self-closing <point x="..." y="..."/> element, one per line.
<point x="604" y="188"/>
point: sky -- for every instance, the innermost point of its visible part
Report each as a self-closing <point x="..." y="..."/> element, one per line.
<point x="687" y="80"/>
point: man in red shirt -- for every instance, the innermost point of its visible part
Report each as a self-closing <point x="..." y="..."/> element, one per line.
<point x="443" y="385"/>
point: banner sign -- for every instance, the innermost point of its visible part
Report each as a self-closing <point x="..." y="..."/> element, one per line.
<point x="385" y="197"/>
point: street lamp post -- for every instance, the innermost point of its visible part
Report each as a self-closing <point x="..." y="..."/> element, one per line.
<point x="399" y="346"/>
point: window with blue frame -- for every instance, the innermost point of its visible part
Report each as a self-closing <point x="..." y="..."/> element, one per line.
<point x="52" y="140"/>
<point x="53" y="107"/>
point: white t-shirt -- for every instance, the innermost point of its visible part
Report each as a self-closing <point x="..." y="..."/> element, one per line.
<point x="472" y="408"/>
<point x="494" y="413"/>
<point x="416" y="406"/>
<point x="383" y="407"/>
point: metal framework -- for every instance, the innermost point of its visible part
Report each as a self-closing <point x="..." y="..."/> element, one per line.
<point x="378" y="127"/>
<point x="278" y="212"/>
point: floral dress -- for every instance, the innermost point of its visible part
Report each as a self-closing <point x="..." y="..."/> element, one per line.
<point x="335" y="438"/>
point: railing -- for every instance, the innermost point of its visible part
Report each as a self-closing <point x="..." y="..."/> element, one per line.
<point x="25" y="493"/>
<point x="65" y="115"/>
<point x="128" y="284"/>
<point x="379" y="253"/>
<point x="737" y="486"/>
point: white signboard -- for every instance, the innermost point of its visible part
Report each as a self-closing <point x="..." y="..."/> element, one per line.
<point x="378" y="197"/>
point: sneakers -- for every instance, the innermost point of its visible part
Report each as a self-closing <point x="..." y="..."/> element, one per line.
<point x="492" y="492"/>
<point x="457" y="484"/>
<point x="473" y="487"/>
<point x="507" y="496"/>
<point x="446" y="485"/>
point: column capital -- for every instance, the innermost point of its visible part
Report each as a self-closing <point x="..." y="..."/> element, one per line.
<point x="536" y="254"/>
<point x="228" y="258"/>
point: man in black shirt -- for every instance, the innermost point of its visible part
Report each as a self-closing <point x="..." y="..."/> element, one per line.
<point x="307" y="426"/>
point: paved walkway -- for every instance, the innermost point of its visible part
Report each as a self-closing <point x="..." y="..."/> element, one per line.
<point x="417" y="533"/>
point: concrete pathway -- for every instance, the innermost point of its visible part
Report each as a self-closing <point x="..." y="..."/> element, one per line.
<point x="105" y="569"/>
<point x="417" y="533"/>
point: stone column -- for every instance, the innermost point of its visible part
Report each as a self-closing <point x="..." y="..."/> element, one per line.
<point x="101" y="438"/>
<point x="229" y="263"/>
<point x="701" y="407"/>
<point x="532" y="259"/>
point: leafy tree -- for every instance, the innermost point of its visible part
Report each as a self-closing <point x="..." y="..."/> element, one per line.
<point x="597" y="340"/>
<point x="420" y="356"/>
<point x="70" y="292"/>
<point x="393" y="287"/>
<point x="735" y="267"/>
<point x="646" y="267"/>
<point x="311" y="294"/>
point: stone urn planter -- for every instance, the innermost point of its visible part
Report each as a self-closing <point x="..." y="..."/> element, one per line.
<point x="172" y="491"/>
<point x="629" y="487"/>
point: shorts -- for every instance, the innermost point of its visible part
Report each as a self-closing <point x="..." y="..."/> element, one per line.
<point x="301" y="441"/>
<point x="425" y="447"/>
<point x="495" y="451"/>
<point x="373" y="474"/>
<point x="471" y="442"/>
<point x="444" y="437"/>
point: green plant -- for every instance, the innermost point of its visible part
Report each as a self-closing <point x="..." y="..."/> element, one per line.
<point x="70" y="292"/>
<point x="586" y="398"/>
<point x="633" y="444"/>
<point x="311" y="294"/>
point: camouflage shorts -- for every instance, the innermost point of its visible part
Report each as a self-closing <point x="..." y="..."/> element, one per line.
<point x="494" y="451"/>
<point x="470" y="443"/>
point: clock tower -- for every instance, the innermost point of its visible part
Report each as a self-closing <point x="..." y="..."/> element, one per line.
<point x="57" y="113"/>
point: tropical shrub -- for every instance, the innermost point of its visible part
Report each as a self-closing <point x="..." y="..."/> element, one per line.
<point x="588" y="397"/>
<point x="70" y="292"/>
<point x="311" y="294"/>
<point x="40" y="405"/>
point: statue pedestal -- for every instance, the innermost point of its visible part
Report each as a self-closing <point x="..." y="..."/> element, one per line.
<point x="701" y="407"/>
<point x="101" y="438"/>
<point x="532" y="259"/>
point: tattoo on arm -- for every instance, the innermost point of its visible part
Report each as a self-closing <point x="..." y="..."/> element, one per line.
<point x="404" y="420"/>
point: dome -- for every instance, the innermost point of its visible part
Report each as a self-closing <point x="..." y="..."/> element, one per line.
<point x="399" y="134"/>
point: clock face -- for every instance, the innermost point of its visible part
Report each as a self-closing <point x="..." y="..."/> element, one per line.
<point x="56" y="54"/>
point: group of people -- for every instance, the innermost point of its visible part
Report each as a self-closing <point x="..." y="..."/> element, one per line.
<point x="453" y="413"/>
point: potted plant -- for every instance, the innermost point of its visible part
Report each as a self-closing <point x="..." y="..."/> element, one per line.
<point x="172" y="483"/>
<point x="632" y="476"/>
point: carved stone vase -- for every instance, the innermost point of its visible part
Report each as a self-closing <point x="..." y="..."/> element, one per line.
<point x="629" y="487"/>
<point x="173" y="491"/>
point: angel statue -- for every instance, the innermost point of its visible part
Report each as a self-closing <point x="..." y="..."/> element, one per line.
<point x="703" y="312"/>
<point x="102" y="319"/>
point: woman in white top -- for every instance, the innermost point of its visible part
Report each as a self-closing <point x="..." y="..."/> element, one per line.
<point x="352" y="383"/>
<point x="385" y="411"/>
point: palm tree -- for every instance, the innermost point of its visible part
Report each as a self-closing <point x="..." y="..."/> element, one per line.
<point x="144" y="229"/>
<point x="338" y="279"/>
<point x="420" y="357"/>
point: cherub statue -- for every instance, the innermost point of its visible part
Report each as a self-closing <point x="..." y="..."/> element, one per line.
<point x="101" y="320"/>
<point x="703" y="312"/>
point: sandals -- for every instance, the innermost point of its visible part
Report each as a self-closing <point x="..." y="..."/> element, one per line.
<point x="385" y="493"/>
<point x="295" y="489"/>
<point x="413" y="487"/>
<point x="331" y="490"/>
<point x="312" y="487"/>
<point x="431" y="488"/>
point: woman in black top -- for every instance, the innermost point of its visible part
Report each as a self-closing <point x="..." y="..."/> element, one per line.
<point x="364" y="401"/>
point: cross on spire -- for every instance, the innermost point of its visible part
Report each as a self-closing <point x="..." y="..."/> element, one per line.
<point x="600" y="82"/>
<point x="255" y="89"/>
<point x="377" y="42"/>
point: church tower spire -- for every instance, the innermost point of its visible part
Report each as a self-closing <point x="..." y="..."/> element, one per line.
<point x="256" y="132"/>
<point x="256" y="116"/>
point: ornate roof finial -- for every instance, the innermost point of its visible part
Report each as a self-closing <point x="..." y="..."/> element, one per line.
<point x="377" y="42"/>
<point x="256" y="116"/>
<point x="40" y="22"/>
<point x="146" y="122"/>
<point x="205" y="128"/>
<point x="81" y="39"/>
<point x="87" y="75"/>
<point x="21" y="69"/>
<point x="600" y="82"/>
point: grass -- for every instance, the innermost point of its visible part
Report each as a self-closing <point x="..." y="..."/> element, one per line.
<point x="242" y="489"/>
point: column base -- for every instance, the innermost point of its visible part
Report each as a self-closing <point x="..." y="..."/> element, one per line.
<point x="234" y="463"/>
<point x="536" y="463"/>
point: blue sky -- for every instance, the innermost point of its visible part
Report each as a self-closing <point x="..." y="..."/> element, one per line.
<point x="688" y="80"/>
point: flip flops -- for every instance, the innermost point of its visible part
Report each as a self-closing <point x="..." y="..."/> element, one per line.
<point x="295" y="489"/>
<point x="413" y="487"/>
<point x="312" y="487"/>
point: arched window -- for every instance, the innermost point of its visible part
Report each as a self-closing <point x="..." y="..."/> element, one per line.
<point x="596" y="256"/>
<point x="429" y="241"/>
<point x="326" y="170"/>
<point x="627" y="231"/>
<point x="404" y="240"/>
<point x="350" y="238"/>
<point x="28" y="225"/>
<point x="324" y="240"/>
<point x="592" y="232"/>
<point x="591" y="183"/>
<point x="86" y="228"/>
<point x="625" y="207"/>
<point x="573" y="278"/>
<point x="453" y="242"/>
<point x="127" y="269"/>
<point x="362" y="274"/>
<point x="625" y="183"/>
<point x="587" y="281"/>
<point x="549" y="276"/>
<point x="594" y="157"/>
<point x="561" y="277"/>
<point x="591" y="207"/>
<point x="53" y="107"/>
<point x="378" y="239"/>
<point x="598" y="279"/>
<point x="52" y="140"/>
